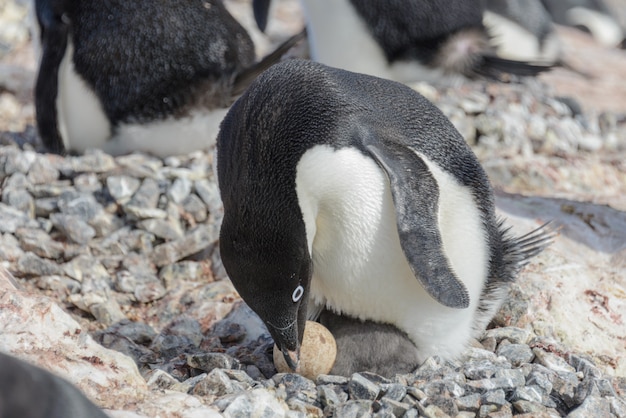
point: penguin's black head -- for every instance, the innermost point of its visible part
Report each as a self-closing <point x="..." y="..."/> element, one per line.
<point x="270" y="267"/>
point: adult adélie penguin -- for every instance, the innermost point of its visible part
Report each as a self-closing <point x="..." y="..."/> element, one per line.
<point x="355" y="194"/>
<point x="139" y="75"/>
<point x="405" y="40"/>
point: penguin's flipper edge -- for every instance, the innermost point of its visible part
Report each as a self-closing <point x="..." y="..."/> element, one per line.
<point x="415" y="195"/>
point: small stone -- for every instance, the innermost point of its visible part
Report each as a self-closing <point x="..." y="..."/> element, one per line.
<point x="209" y="361"/>
<point x="60" y="284"/>
<point x="10" y="248"/>
<point x="144" y="213"/>
<point x="83" y="267"/>
<point x="160" y="379"/>
<point x="618" y="406"/>
<point x="82" y="206"/>
<point x="433" y="411"/>
<point x="552" y="361"/>
<point x="530" y="393"/>
<point x="11" y="219"/>
<point x="443" y="388"/>
<point x="167" y="229"/>
<point x="40" y="243"/>
<point x="495" y="397"/>
<point x="196" y="240"/>
<point x="398" y="408"/>
<point x="517" y="354"/>
<point x="329" y="379"/>
<point x="210" y="195"/>
<point x="586" y="366"/>
<point x="149" y="291"/>
<point x="20" y="200"/>
<point x="361" y="388"/>
<point x="329" y="395"/>
<point x="73" y="228"/>
<point x="95" y="161"/>
<point x="45" y="206"/>
<point x="216" y="383"/>
<point x="147" y="196"/>
<point x="257" y="402"/>
<point x="394" y="391"/>
<point x="87" y="183"/>
<point x="194" y="206"/>
<point x="354" y="409"/>
<point x="592" y="407"/>
<point x="469" y="403"/>
<point x="31" y="265"/>
<point x="187" y="385"/>
<point x="179" y="190"/>
<point x="121" y="188"/>
<point x="42" y="171"/>
<point x="193" y="271"/>
<point x="482" y="369"/>
<point x="513" y="334"/>
<point x="445" y="404"/>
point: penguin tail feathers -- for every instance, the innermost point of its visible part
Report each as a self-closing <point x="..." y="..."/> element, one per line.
<point x="494" y="67"/>
<point x="517" y="251"/>
<point x="247" y="76"/>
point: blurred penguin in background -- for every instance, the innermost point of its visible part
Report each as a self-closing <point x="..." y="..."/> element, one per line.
<point x="156" y="77"/>
<point x="27" y="391"/>
<point x="592" y="16"/>
<point x="404" y="40"/>
<point x="522" y="30"/>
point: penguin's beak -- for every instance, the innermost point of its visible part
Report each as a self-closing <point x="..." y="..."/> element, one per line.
<point x="288" y="340"/>
<point x="292" y="358"/>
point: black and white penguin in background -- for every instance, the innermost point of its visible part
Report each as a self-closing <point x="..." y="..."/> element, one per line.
<point x="592" y="16"/>
<point x="522" y="30"/>
<point x="355" y="194"/>
<point x="404" y="40"/>
<point x="139" y="75"/>
<point x="27" y="391"/>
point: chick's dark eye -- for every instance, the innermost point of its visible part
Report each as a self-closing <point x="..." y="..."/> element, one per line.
<point x="297" y="293"/>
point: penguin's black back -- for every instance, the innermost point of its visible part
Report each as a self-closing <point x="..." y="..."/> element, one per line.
<point x="414" y="29"/>
<point x="145" y="59"/>
<point x="297" y="104"/>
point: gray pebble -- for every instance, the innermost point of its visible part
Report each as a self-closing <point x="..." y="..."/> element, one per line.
<point x="592" y="407"/>
<point x="216" y="383"/>
<point x="76" y="230"/>
<point x="11" y="219"/>
<point x="20" y="200"/>
<point x="168" y="229"/>
<point x="179" y="190"/>
<point x="469" y="402"/>
<point x="552" y="361"/>
<point x="30" y="264"/>
<point x="121" y="188"/>
<point x="160" y="379"/>
<point x="42" y="171"/>
<point x="513" y="334"/>
<point x="170" y="252"/>
<point x="194" y="206"/>
<point x="354" y="409"/>
<point x="209" y="361"/>
<point x="361" y="388"/>
<point x="10" y="248"/>
<point x="147" y="196"/>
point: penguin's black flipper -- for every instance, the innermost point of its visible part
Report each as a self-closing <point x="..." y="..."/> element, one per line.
<point x="494" y="67"/>
<point x="261" y="9"/>
<point x="54" y="36"/>
<point x="244" y="78"/>
<point x="415" y="196"/>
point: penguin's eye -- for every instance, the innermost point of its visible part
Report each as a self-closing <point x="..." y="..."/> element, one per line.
<point x="297" y="294"/>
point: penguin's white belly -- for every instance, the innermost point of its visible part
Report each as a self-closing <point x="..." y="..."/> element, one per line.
<point x="512" y="41"/>
<point x="359" y="268"/>
<point x="338" y="37"/>
<point x="82" y="122"/>
<point x="169" y="136"/>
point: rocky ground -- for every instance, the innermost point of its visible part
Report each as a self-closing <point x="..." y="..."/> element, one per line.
<point x="111" y="276"/>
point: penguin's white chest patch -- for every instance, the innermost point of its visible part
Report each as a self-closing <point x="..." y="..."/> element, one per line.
<point x="81" y="119"/>
<point x="339" y="37"/>
<point x="359" y="267"/>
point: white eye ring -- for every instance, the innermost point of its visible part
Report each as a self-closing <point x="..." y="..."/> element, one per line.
<point x="297" y="294"/>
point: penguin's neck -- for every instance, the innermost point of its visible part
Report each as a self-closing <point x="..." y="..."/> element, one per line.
<point x="340" y="38"/>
